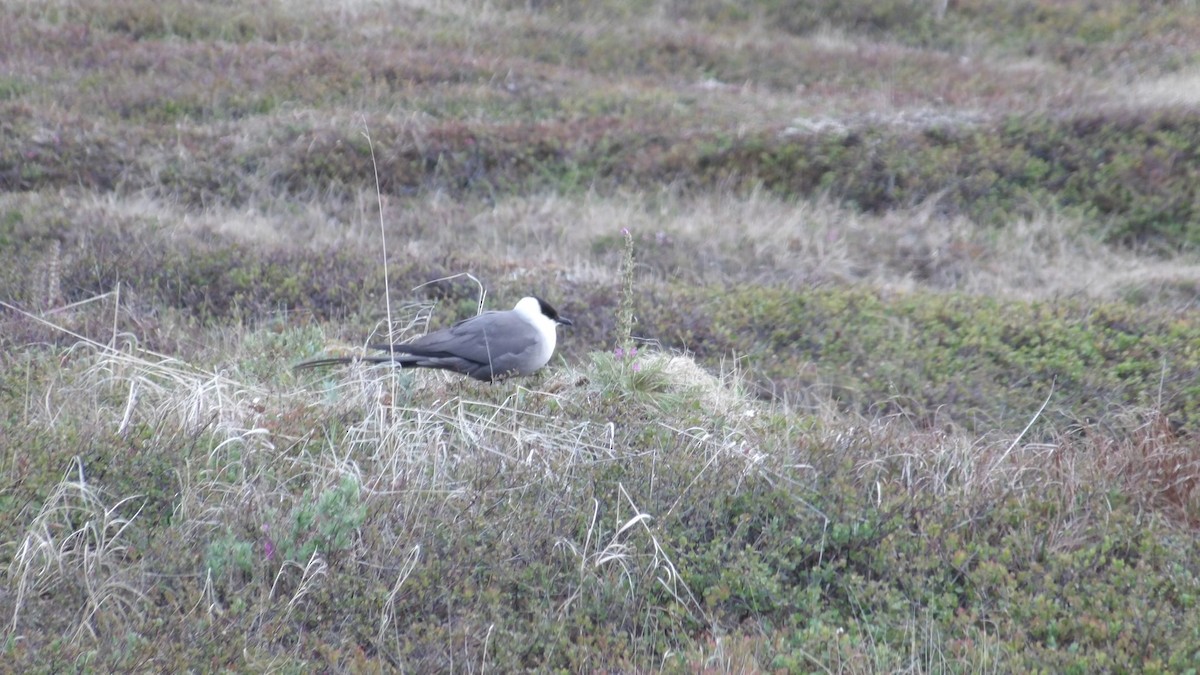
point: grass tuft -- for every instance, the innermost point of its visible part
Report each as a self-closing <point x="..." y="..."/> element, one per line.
<point x="77" y="549"/>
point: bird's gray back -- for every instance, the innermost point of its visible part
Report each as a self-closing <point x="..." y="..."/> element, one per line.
<point x="499" y="342"/>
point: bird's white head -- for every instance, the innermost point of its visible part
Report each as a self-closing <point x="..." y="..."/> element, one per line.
<point x="535" y="308"/>
<point x="543" y="318"/>
<point x="541" y="314"/>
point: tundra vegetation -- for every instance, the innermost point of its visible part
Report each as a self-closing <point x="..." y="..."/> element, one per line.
<point x="886" y="353"/>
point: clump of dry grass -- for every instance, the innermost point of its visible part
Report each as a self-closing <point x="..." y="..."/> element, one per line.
<point x="77" y="549"/>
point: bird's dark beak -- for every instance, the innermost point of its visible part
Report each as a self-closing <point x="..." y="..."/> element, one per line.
<point x="565" y="321"/>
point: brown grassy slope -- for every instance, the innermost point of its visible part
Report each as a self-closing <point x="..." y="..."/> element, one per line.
<point x="955" y="161"/>
<point x="222" y="108"/>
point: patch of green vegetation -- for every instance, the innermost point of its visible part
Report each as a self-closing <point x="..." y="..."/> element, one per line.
<point x="12" y="87"/>
<point x="189" y="107"/>
<point x="1140" y="194"/>
<point x="978" y="361"/>
<point x="323" y="523"/>
<point x="182" y="19"/>
<point x="850" y="573"/>
<point x="228" y="555"/>
<point x="271" y="345"/>
<point x="903" y="20"/>
<point x="1135" y="176"/>
<point x="627" y="380"/>
<point x="35" y="460"/>
<point x="29" y="160"/>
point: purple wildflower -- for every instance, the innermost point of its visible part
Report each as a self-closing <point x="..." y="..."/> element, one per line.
<point x="268" y="544"/>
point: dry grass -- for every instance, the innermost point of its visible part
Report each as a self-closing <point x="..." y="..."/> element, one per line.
<point x="416" y="449"/>
<point x="1171" y="90"/>
<point x="76" y="550"/>
<point x="757" y="237"/>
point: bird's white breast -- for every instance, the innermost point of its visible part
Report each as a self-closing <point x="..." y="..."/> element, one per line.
<point x="547" y="338"/>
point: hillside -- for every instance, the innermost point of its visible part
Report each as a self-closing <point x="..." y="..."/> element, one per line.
<point x="913" y="287"/>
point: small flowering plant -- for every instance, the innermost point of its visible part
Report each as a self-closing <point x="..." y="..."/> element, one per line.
<point x="633" y="375"/>
<point x="625" y="313"/>
<point x="626" y="353"/>
<point x="628" y="374"/>
<point x="268" y="543"/>
<point x="627" y="356"/>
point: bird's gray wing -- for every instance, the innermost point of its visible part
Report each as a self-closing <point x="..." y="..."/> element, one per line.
<point x="484" y="346"/>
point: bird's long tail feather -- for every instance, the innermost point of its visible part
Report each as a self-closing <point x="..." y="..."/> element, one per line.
<point x="342" y="360"/>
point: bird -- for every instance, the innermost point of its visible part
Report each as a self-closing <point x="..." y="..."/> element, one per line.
<point x="487" y="347"/>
